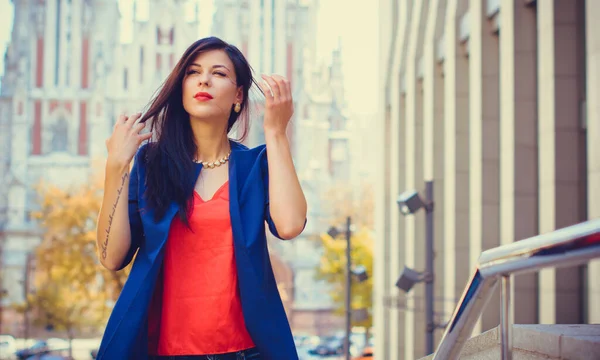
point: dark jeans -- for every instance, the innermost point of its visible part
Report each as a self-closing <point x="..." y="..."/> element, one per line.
<point x="250" y="354"/>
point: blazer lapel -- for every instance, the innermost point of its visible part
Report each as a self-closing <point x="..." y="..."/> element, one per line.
<point x="245" y="268"/>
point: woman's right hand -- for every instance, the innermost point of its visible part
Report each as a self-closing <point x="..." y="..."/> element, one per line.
<point x="125" y="140"/>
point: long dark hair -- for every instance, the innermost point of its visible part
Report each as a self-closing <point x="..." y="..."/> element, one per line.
<point x="170" y="156"/>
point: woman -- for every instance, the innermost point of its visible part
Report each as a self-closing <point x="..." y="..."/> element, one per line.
<point x="201" y="286"/>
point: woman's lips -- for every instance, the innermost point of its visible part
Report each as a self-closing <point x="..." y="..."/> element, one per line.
<point x="203" y="96"/>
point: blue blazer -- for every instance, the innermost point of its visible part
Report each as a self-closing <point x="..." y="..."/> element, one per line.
<point x="126" y="334"/>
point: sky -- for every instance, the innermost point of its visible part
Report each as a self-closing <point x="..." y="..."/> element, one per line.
<point x="356" y="31"/>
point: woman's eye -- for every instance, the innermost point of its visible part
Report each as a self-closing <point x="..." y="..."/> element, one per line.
<point x="219" y="73"/>
<point x="190" y="72"/>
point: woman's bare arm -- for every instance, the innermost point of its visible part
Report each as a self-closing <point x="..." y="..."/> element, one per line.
<point x="113" y="230"/>
<point x="286" y="198"/>
<point x="287" y="203"/>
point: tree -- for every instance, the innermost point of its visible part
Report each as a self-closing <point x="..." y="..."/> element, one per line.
<point x="332" y="269"/>
<point x="72" y="291"/>
<point x="344" y="201"/>
<point x="63" y="305"/>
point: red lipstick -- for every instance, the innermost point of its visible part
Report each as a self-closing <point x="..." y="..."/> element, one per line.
<point x="203" y="96"/>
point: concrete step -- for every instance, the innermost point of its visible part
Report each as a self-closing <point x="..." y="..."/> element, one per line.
<point x="537" y="342"/>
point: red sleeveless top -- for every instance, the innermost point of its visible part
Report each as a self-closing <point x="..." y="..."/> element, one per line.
<point x="196" y="308"/>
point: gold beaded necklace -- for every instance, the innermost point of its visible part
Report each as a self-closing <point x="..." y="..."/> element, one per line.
<point x="216" y="163"/>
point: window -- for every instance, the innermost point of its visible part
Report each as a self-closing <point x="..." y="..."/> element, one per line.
<point x="272" y="36"/>
<point x="262" y="35"/>
<point x="31" y="205"/>
<point x="14" y="257"/>
<point x="337" y="123"/>
<point x="57" y="49"/>
<point x="60" y="136"/>
<point x="141" y="64"/>
<point x="68" y="48"/>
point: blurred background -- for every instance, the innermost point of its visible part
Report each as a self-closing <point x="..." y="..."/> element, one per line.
<point x="70" y="67"/>
<point x="486" y="108"/>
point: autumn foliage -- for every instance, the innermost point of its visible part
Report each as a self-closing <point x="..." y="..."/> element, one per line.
<point x="71" y="291"/>
<point x="332" y="266"/>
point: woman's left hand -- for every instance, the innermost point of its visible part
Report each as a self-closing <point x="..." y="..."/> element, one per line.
<point x="279" y="106"/>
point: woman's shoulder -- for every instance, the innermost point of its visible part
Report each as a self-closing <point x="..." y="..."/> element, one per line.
<point x="257" y="153"/>
<point x="139" y="159"/>
<point x="143" y="149"/>
<point x="238" y="146"/>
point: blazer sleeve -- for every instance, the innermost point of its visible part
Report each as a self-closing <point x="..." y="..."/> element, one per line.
<point x="135" y="220"/>
<point x="268" y="218"/>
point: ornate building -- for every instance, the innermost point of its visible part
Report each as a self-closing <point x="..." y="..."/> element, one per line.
<point x="273" y="35"/>
<point x="67" y="77"/>
<point x="280" y="36"/>
<point x="84" y="62"/>
<point x="322" y="161"/>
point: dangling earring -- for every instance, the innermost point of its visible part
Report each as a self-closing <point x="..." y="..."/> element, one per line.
<point x="237" y="107"/>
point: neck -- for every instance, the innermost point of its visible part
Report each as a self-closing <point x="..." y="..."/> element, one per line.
<point x="211" y="140"/>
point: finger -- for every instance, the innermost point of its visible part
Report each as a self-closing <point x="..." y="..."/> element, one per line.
<point x="286" y="91"/>
<point x="145" y="136"/>
<point x="266" y="91"/>
<point x="279" y="80"/>
<point x="133" y="118"/>
<point x="139" y="118"/>
<point x="120" y="121"/>
<point x="137" y="127"/>
<point x="274" y="87"/>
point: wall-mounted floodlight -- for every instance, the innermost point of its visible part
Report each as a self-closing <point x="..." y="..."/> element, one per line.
<point x="359" y="315"/>
<point x="409" y="278"/>
<point x="410" y="202"/>
<point x="333" y="232"/>
<point x="360" y="273"/>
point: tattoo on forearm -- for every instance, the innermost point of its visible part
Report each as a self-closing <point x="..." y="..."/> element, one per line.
<point x="112" y="214"/>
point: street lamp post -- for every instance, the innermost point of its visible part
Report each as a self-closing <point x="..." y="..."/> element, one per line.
<point x="26" y="286"/>
<point x="429" y="266"/>
<point x="3" y="291"/>
<point x="359" y="272"/>
<point x="409" y="203"/>
<point x="348" y="289"/>
<point x="334" y="232"/>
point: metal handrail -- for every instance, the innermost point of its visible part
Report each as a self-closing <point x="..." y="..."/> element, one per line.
<point x="569" y="246"/>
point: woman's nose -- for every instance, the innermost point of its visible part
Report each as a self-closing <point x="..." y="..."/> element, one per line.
<point x="204" y="79"/>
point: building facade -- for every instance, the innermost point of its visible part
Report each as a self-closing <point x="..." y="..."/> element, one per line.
<point x="322" y="161"/>
<point x="496" y="103"/>
<point x="273" y="35"/>
<point x="280" y="37"/>
<point x="68" y="76"/>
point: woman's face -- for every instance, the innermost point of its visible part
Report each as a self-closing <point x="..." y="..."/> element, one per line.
<point x="209" y="86"/>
